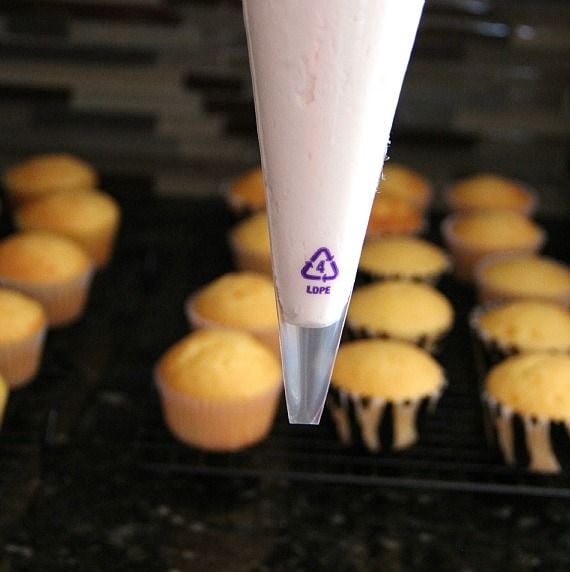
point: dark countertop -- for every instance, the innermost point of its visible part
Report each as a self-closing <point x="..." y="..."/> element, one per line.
<point x="94" y="512"/>
<point x="79" y="497"/>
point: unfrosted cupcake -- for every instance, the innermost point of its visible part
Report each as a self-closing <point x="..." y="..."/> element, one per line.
<point x="250" y="245"/>
<point x="392" y="215"/>
<point x="246" y="195"/>
<point x="219" y="389"/>
<point x="490" y="191"/>
<point x="405" y="183"/>
<point x="521" y="326"/>
<point x="23" y="326"/>
<point x="42" y="175"/>
<point x="407" y="311"/>
<point x="528" y="399"/>
<point x="508" y="277"/>
<point x="90" y="218"/>
<point x="472" y="236"/>
<point x="51" y="269"/>
<point x="403" y="258"/>
<point x="380" y="390"/>
<point x="3" y="398"/>
<point x="239" y="300"/>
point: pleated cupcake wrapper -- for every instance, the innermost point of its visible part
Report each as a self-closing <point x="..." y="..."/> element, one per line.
<point x="377" y="424"/>
<point x="20" y="360"/>
<point x="432" y="343"/>
<point x="489" y="294"/>
<point x="63" y="302"/>
<point x="99" y="245"/>
<point x="219" y="425"/>
<point x="268" y="336"/>
<point x="466" y="257"/>
<point x="536" y="444"/>
<point x="248" y="260"/>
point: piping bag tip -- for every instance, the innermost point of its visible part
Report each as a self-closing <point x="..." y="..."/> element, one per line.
<point x="308" y="356"/>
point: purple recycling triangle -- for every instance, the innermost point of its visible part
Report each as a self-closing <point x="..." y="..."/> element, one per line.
<point x="321" y="266"/>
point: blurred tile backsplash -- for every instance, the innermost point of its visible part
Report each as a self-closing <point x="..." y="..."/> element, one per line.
<point x="161" y="89"/>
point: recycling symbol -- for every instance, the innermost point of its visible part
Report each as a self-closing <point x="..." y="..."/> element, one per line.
<point x="321" y="266"/>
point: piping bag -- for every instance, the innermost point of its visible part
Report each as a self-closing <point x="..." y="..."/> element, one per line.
<point x="327" y="76"/>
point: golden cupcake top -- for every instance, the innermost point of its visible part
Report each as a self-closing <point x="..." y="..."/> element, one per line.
<point x="403" y="256"/>
<point x="535" y="384"/>
<point x="69" y="212"/>
<point x="489" y="191"/>
<point x="406" y="183"/>
<point x="249" y="189"/>
<point x="393" y="215"/>
<point x="494" y="229"/>
<point x="219" y="364"/>
<point x="48" y="173"/>
<point x="529" y="325"/>
<point x="40" y="256"/>
<point x="20" y="316"/>
<point x="400" y="309"/>
<point x="526" y="276"/>
<point x="238" y="299"/>
<point x="387" y="369"/>
<point x="253" y="233"/>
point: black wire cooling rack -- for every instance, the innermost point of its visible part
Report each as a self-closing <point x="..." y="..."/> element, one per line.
<point x="452" y="455"/>
<point x="454" y="452"/>
<point x="167" y="249"/>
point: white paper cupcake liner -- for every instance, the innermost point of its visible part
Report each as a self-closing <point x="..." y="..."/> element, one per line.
<point x="219" y="425"/>
<point x="378" y="424"/>
<point x="63" y="302"/>
<point x="20" y="360"/>
<point x="545" y="443"/>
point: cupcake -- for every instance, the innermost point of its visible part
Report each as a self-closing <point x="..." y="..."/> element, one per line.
<point x="219" y="389"/>
<point x="407" y="311"/>
<point x="50" y="268"/>
<point x="472" y="236"/>
<point x="405" y="183"/>
<point x="90" y="218"/>
<point x="510" y="277"/>
<point x="238" y="300"/>
<point x="402" y="258"/>
<point x="249" y="241"/>
<point x="3" y="398"/>
<point x="246" y="195"/>
<point x="490" y="191"/>
<point x="528" y="398"/>
<point x="380" y="390"/>
<point x="521" y="326"/>
<point x="42" y="175"/>
<point x="392" y="215"/>
<point x="23" y="327"/>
